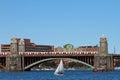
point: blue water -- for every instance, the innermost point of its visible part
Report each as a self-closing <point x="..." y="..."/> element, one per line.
<point x="68" y="75"/>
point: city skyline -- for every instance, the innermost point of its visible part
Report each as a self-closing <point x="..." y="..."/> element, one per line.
<point x="61" y="22"/>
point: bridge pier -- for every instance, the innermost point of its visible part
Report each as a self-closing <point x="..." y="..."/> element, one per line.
<point x="14" y="63"/>
<point x="103" y="63"/>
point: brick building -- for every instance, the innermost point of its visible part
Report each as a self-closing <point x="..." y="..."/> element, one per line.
<point x="27" y="46"/>
<point x="70" y="48"/>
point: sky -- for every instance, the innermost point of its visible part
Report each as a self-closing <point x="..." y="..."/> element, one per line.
<point x="59" y="22"/>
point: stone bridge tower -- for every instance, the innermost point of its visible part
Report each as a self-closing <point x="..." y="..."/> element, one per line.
<point x="21" y="45"/>
<point x="14" y="60"/>
<point x="22" y="49"/>
<point x="103" y="60"/>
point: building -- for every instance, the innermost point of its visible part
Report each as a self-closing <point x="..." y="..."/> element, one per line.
<point x="71" y="48"/>
<point x="88" y="48"/>
<point x="25" y="45"/>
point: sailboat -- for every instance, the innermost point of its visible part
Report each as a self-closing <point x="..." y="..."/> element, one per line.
<point x="60" y="69"/>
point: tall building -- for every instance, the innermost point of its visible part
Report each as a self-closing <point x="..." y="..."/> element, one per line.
<point x="25" y="45"/>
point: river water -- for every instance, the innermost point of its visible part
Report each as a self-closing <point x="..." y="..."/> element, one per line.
<point x="68" y="75"/>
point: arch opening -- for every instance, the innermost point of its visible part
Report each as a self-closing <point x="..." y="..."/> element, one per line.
<point x="2" y="68"/>
<point x="48" y="59"/>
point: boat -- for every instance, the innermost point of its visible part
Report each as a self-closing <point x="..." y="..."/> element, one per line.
<point x="60" y="69"/>
<point x="100" y="70"/>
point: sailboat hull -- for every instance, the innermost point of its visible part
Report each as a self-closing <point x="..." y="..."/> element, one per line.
<point x="60" y="73"/>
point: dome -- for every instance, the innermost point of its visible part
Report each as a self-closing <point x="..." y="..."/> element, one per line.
<point x="69" y="46"/>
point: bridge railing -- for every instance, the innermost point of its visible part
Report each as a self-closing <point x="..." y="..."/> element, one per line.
<point x="51" y="53"/>
<point x="57" y="53"/>
<point x="4" y="53"/>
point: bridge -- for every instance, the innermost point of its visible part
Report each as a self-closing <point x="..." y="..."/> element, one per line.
<point x="19" y="60"/>
<point x="30" y="59"/>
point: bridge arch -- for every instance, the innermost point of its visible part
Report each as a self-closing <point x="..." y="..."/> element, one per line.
<point x="2" y="67"/>
<point x="43" y="60"/>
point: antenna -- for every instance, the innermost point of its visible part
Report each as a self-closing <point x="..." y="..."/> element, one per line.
<point x="114" y="50"/>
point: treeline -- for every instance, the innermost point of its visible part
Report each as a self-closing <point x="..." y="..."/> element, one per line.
<point x="52" y="64"/>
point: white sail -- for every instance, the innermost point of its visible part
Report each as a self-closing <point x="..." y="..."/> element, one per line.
<point x="60" y="69"/>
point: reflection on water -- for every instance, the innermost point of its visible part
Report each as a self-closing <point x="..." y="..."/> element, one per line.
<point x="69" y="75"/>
